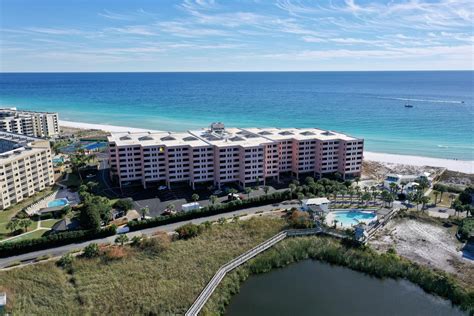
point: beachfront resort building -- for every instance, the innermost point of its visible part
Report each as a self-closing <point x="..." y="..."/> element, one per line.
<point x="219" y="155"/>
<point x="25" y="167"/>
<point x="30" y="123"/>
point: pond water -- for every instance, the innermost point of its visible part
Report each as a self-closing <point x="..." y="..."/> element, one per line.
<point x="315" y="288"/>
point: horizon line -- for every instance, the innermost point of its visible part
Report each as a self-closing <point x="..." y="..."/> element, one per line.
<point x="234" y="71"/>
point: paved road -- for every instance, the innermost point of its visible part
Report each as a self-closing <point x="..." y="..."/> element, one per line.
<point x="59" y="251"/>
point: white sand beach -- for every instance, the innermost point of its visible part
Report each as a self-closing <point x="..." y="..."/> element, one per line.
<point x="103" y="127"/>
<point x="451" y="164"/>
<point x="454" y="165"/>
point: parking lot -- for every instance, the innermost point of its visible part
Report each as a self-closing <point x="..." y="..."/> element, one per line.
<point x="157" y="200"/>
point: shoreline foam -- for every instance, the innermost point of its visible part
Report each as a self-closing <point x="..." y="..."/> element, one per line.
<point x="464" y="166"/>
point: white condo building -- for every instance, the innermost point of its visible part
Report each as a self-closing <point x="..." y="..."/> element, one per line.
<point x="25" y="167"/>
<point x="219" y="155"/>
<point x="30" y="123"/>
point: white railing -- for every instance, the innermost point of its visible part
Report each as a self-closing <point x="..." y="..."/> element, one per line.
<point x="221" y="273"/>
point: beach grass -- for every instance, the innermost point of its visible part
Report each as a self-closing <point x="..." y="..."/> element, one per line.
<point x="142" y="282"/>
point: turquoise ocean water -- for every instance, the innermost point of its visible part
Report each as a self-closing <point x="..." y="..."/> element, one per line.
<point x="365" y="104"/>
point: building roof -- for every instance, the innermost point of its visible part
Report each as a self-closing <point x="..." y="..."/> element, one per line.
<point x="299" y="134"/>
<point x="156" y="139"/>
<point x="316" y="201"/>
<point x="18" y="146"/>
<point x="220" y="136"/>
<point x="230" y="137"/>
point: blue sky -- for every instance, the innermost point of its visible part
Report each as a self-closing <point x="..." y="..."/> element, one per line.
<point x="246" y="35"/>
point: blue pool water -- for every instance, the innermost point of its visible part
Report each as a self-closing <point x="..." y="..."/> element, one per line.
<point x="365" y="104"/>
<point x="57" y="160"/>
<point x="58" y="203"/>
<point x="94" y="146"/>
<point x="353" y="217"/>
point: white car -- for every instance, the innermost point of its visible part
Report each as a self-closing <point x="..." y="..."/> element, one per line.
<point x="162" y="187"/>
<point x="90" y="175"/>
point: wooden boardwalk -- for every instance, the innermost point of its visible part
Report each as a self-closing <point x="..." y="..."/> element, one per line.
<point x="221" y="273"/>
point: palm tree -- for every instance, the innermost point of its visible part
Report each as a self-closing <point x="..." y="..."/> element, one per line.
<point x="248" y="190"/>
<point x="266" y="189"/>
<point x="257" y="182"/>
<point x="423" y="183"/>
<point x="357" y="188"/>
<point x="25" y="223"/>
<point x="441" y="190"/>
<point x="424" y="200"/>
<point x="170" y="207"/>
<point x="335" y="222"/>
<point x="213" y="199"/>
<point x="121" y="239"/>
<point x="392" y="186"/>
<point x="12" y="225"/>
<point x="435" y="193"/>
<point x="402" y="186"/>
<point x="195" y="197"/>
<point x="145" y="211"/>
<point x="452" y="197"/>
<point x="351" y="193"/>
<point x="292" y="187"/>
<point x="366" y="197"/>
<point x="374" y="192"/>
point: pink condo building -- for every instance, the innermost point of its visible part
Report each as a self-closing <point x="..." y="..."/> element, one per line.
<point x="219" y="155"/>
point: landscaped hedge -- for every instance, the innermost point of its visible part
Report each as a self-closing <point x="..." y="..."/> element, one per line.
<point x="213" y="210"/>
<point x="53" y="240"/>
<point x="448" y="188"/>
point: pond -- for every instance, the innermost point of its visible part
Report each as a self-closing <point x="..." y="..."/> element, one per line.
<point x="316" y="288"/>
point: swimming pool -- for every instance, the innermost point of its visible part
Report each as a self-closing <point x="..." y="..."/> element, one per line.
<point x="58" y="203"/>
<point x="58" y="159"/>
<point x="350" y="218"/>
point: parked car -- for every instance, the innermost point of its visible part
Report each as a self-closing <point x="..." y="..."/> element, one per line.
<point x="90" y="175"/>
<point x="217" y="192"/>
<point x="162" y="187"/>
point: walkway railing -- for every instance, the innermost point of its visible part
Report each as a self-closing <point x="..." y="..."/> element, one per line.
<point x="220" y="274"/>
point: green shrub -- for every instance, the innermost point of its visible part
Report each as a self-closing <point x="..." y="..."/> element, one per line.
<point x="91" y="251"/>
<point x="23" y="246"/>
<point x="212" y="209"/>
<point x="65" y="261"/>
<point x="466" y="228"/>
<point x="124" y="204"/>
<point x="189" y="230"/>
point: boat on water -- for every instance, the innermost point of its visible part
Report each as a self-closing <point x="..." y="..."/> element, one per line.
<point x="407" y="105"/>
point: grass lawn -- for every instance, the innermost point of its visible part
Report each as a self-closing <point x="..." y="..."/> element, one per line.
<point x="143" y="282"/>
<point x="48" y="223"/>
<point x="445" y="201"/>
<point x="31" y="235"/>
<point x="7" y="214"/>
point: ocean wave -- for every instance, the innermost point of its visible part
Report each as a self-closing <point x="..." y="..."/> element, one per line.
<point x="443" y="146"/>
<point x="423" y="100"/>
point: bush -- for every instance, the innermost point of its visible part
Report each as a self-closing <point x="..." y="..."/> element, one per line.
<point x="188" y="231"/>
<point x="124" y="204"/>
<point x="299" y="219"/>
<point x="65" y="261"/>
<point x="466" y="229"/>
<point x="114" y="253"/>
<point x="155" y="245"/>
<point x="212" y="210"/>
<point x="23" y="246"/>
<point x="447" y="188"/>
<point x="91" y="251"/>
